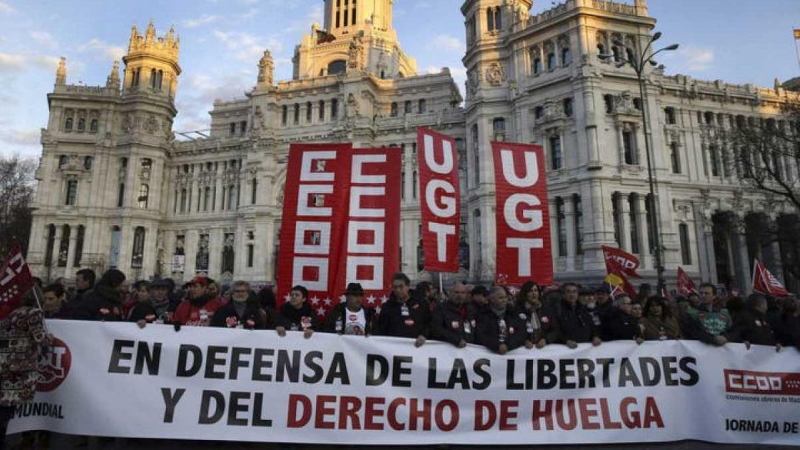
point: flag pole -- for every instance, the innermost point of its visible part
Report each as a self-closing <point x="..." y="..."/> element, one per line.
<point x="795" y="34"/>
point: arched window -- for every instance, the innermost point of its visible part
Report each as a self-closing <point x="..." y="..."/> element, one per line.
<point x="68" y="124"/>
<point x="284" y="114"/>
<point x="686" y="250"/>
<point x="601" y="49"/>
<point x="561" y="227"/>
<point x="408" y="108"/>
<point x="393" y="110"/>
<point x="63" y="246"/>
<point x="617" y="53"/>
<point x="334" y="108"/>
<point x="137" y="257"/>
<point x="81" y="124"/>
<point x="675" y="157"/>
<point x="76" y="262"/>
<point x="566" y="56"/>
<point x="551" y="61"/>
<point x="608" y="99"/>
<point x="93" y="126"/>
<point x="556" y="154"/>
<point x="630" y="55"/>
<point x="537" y="65"/>
<point x="309" y="111"/>
<point x="153" y="78"/>
<point x="669" y="115"/>
<point x="578" y="205"/>
<point x="568" y="111"/>
<point x="144" y="193"/>
<point x="490" y="18"/>
<point x="414" y="188"/>
<point x="206" y="198"/>
<point x="629" y="148"/>
<point x="62" y="161"/>
<point x="51" y="239"/>
<point x="87" y="162"/>
<point x="184" y="195"/>
<point x="633" y="205"/>
<point x="296" y="113"/>
<point x="231" y="197"/>
<point x="423" y="108"/>
<point x="72" y="192"/>
<point x="499" y="129"/>
<point x="321" y="110"/>
<point x="253" y="191"/>
<point x="121" y="195"/>
<point x="337" y="67"/>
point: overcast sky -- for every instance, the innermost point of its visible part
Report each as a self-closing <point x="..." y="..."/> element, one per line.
<point x="739" y="41"/>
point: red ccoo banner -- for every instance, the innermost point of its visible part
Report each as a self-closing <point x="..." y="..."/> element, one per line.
<point x="523" y="218"/>
<point x="441" y="200"/>
<point x="341" y="222"/>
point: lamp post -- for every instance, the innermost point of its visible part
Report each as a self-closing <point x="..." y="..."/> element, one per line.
<point x="639" y="61"/>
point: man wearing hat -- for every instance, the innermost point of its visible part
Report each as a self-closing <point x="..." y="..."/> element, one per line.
<point x="199" y="307"/>
<point x="351" y="317"/>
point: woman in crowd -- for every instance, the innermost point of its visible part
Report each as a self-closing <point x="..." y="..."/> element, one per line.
<point x="658" y="321"/>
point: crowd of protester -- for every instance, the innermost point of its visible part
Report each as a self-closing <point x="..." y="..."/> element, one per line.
<point x="495" y="317"/>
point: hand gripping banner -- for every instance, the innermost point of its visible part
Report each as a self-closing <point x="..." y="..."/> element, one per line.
<point x="441" y="200"/>
<point x="116" y="380"/>
<point x="523" y="217"/>
<point x="341" y="222"/>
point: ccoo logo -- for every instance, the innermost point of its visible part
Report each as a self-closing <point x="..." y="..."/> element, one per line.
<point x="54" y="366"/>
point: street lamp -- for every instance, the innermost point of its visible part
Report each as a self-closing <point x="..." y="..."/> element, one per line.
<point x="639" y="63"/>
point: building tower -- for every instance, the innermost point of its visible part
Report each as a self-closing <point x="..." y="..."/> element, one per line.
<point x="357" y="37"/>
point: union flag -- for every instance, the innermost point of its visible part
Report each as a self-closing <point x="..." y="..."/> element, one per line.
<point x="15" y="281"/>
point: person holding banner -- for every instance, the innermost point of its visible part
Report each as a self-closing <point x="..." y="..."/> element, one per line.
<point x="708" y="323"/>
<point x="529" y="305"/>
<point x="104" y="302"/>
<point x="500" y="328"/>
<point x="450" y="321"/>
<point x="151" y="307"/>
<point x="296" y="314"/>
<point x="404" y="315"/>
<point x="621" y="324"/>
<point x="573" y="323"/>
<point x="751" y="325"/>
<point x="786" y="323"/>
<point x="242" y="311"/>
<point x="658" y="322"/>
<point x="351" y="317"/>
<point x="199" y="307"/>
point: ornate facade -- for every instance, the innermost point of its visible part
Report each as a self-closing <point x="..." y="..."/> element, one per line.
<point x="116" y="188"/>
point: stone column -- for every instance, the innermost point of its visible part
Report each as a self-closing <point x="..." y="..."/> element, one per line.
<point x="569" y="214"/>
<point x="704" y="228"/>
<point x="741" y="263"/>
<point x="772" y="255"/>
<point x="624" y="209"/>
<point x="644" y="235"/>
<point x="73" y="239"/>
<point x="56" y="249"/>
<point x="620" y="148"/>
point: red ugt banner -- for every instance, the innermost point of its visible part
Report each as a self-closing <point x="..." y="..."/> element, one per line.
<point x="15" y="281"/>
<point x="685" y="284"/>
<point x="341" y="222"/>
<point x="441" y="200"/>
<point x="523" y="216"/>
<point x="623" y="260"/>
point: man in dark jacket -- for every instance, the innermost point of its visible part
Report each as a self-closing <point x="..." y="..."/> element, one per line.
<point x="573" y="323"/>
<point x="500" y="328"/>
<point x="351" y="317"/>
<point x="404" y="315"/>
<point x="103" y="303"/>
<point x="296" y="314"/>
<point x="620" y="325"/>
<point x="243" y="311"/>
<point x="449" y="321"/>
<point x="751" y="325"/>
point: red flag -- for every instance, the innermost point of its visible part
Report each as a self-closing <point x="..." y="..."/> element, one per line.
<point x="441" y="200"/>
<point x="523" y="218"/>
<point x="685" y="284"/>
<point x="627" y="262"/>
<point x="15" y="281"/>
<point x="341" y="222"/>
<point x="766" y="283"/>
<point x="616" y="277"/>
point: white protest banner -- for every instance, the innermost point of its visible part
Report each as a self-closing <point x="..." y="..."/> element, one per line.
<point x="113" y="379"/>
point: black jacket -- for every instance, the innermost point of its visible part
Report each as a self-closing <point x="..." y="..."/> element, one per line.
<point x="619" y="326"/>
<point x="490" y="334"/>
<point x="751" y="326"/>
<point x="142" y="311"/>
<point x="409" y="320"/>
<point x="335" y="322"/>
<point x="297" y="319"/>
<point x="450" y="323"/>
<point x="571" y="324"/>
<point x="100" y="304"/>
<point x="786" y="328"/>
<point x="228" y="317"/>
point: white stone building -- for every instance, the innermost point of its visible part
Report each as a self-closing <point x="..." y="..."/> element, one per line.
<point x="117" y="189"/>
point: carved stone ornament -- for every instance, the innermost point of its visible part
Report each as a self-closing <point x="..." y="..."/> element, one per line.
<point x="495" y="74"/>
<point x="151" y="125"/>
<point x="127" y="123"/>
